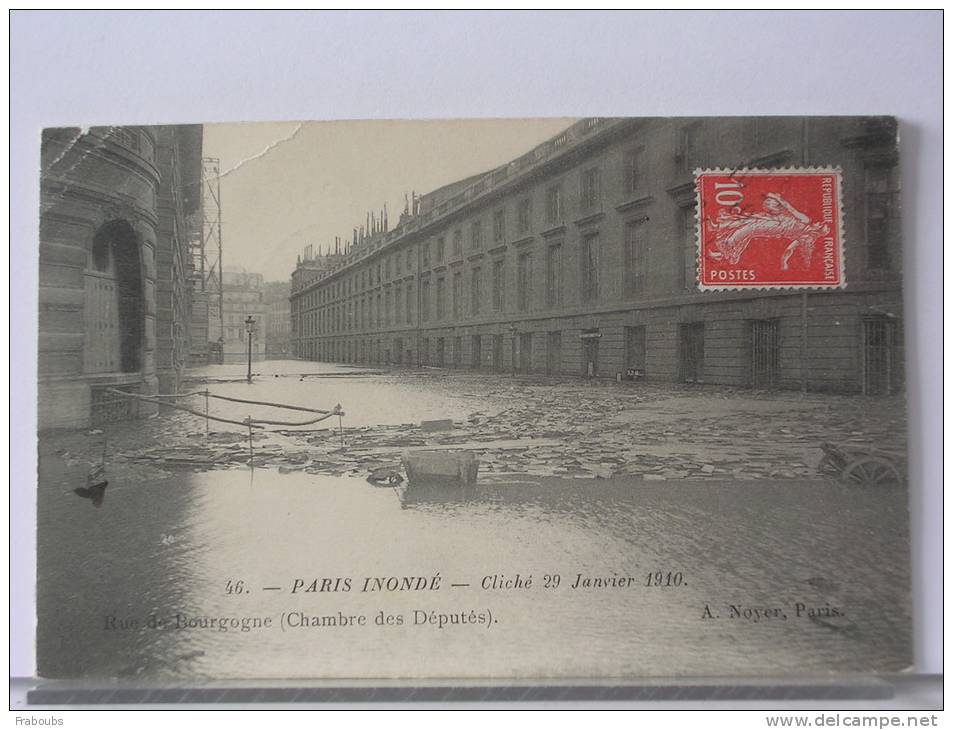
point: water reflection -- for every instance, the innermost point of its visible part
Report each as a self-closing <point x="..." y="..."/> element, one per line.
<point x="175" y="549"/>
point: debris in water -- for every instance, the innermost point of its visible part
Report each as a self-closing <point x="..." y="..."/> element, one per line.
<point x="96" y="493"/>
<point x="443" y="424"/>
<point x="385" y="475"/>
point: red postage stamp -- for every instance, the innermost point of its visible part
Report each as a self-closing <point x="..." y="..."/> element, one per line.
<point x="770" y="229"/>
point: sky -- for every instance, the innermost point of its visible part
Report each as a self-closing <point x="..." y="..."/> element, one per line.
<point x="286" y="185"/>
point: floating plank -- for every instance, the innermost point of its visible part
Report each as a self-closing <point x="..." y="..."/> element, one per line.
<point x="443" y="424"/>
<point x="499" y="445"/>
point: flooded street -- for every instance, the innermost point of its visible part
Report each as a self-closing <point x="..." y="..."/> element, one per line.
<point x="686" y="557"/>
<point x="517" y="425"/>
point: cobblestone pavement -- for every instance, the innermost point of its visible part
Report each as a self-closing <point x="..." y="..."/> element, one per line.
<point x="517" y="426"/>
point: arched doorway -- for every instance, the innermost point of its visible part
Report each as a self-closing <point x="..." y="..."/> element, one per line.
<point x="114" y="312"/>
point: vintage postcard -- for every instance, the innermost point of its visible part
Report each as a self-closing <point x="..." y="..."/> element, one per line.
<point x="475" y="399"/>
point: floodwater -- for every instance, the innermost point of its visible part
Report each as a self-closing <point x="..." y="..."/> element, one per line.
<point x="365" y="399"/>
<point x="174" y="548"/>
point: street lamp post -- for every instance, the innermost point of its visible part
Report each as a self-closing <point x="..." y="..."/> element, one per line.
<point x="249" y="328"/>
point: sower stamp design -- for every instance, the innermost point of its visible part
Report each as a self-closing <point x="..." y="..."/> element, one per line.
<point x="770" y="229"/>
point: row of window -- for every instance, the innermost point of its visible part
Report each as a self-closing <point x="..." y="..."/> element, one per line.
<point x="435" y="253"/>
<point x="440" y="299"/>
<point x="554" y="214"/>
<point x="484" y="350"/>
<point x="517" y="355"/>
<point x="879" y="358"/>
<point x="436" y="303"/>
<point x="880" y="223"/>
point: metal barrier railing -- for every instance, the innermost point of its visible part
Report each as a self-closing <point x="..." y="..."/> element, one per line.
<point x="249" y="422"/>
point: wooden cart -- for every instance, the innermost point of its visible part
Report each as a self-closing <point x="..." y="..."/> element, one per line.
<point x="864" y="466"/>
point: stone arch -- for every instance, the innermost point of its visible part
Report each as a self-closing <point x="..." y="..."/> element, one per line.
<point x="115" y="313"/>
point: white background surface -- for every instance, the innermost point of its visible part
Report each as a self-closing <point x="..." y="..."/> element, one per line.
<point x="170" y="67"/>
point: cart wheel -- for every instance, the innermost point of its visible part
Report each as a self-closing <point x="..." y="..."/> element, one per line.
<point x="871" y="471"/>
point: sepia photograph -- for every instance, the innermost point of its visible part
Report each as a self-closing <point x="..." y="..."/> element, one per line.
<point x="501" y="398"/>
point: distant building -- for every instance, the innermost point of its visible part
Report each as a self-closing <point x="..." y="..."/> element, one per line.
<point x="278" y="331"/>
<point x="578" y="258"/>
<point x="244" y="296"/>
<point x="115" y="304"/>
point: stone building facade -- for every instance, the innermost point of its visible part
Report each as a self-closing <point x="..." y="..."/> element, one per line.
<point x="243" y="297"/>
<point x="278" y="331"/>
<point x="579" y="258"/>
<point x="114" y="271"/>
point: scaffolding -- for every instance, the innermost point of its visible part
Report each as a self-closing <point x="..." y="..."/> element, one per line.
<point x="207" y="256"/>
